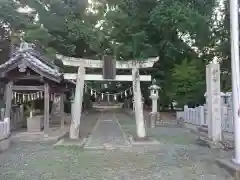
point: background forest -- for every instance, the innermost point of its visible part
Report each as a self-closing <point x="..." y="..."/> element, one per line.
<point x="185" y="34"/>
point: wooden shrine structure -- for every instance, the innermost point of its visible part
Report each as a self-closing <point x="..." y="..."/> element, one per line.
<point x="30" y="76"/>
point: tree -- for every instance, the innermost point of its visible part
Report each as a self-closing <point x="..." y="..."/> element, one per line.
<point x="127" y="29"/>
<point x="187" y="83"/>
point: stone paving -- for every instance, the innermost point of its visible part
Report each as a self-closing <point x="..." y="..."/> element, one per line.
<point x="176" y="158"/>
<point x="107" y="132"/>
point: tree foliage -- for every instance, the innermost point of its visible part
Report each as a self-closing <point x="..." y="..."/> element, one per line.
<point x="129" y="29"/>
<point x="187" y="83"/>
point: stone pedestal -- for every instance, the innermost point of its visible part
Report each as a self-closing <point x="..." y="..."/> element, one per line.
<point x="153" y="118"/>
<point x="154" y="104"/>
<point x="35" y="123"/>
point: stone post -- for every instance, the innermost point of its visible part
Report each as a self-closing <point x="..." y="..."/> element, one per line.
<point x="8" y="99"/>
<point x="201" y="113"/>
<point x="77" y="104"/>
<point x="46" y="107"/>
<point x="185" y="110"/>
<point x="214" y="102"/>
<point x="62" y="114"/>
<point x="141" y="132"/>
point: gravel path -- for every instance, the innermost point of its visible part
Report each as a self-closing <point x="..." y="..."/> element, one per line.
<point x="173" y="159"/>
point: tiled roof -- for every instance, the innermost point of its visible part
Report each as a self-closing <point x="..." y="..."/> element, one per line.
<point x="32" y="59"/>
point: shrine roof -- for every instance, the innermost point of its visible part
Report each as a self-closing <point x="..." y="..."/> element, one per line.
<point x="28" y="57"/>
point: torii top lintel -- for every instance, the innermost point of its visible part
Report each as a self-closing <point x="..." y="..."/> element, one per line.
<point x="90" y="63"/>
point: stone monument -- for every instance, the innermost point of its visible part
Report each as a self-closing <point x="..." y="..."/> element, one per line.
<point x="214" y="102"/>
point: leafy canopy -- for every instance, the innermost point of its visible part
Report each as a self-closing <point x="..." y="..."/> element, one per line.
<point x="127" y="29"/>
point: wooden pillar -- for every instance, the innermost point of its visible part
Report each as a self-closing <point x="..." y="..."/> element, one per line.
<point x="21" y="112"/>
<point x="46" y="107"/>
<point x="8" y="99"/>
<point x="62" y="109"/>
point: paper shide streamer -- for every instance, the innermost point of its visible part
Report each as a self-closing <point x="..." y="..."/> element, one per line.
<point x="26" y="97"/>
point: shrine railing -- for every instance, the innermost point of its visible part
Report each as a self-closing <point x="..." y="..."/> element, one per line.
<point x="198" y="116"/>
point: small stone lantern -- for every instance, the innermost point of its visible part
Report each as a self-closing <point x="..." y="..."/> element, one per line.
<point x="154" y="96"/>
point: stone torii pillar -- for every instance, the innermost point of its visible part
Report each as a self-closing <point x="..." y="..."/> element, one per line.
<point x="138" y="107"/>
<point x="77" y="104"/>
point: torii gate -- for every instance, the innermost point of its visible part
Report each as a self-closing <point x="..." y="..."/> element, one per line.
<point x="81" y="76"/>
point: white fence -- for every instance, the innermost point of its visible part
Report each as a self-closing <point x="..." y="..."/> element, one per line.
<point x="4" y="126"/>
<point x="198" y="116"/>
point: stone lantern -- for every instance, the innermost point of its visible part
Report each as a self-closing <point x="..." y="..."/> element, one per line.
<point x="154" y="96"/>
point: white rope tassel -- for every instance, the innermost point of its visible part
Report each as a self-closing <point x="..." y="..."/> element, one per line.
<point x="125" y="92"/>
<point x="115" y="97"/>
<point x="102" y="96"/>
<point x="91" y="92"/>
